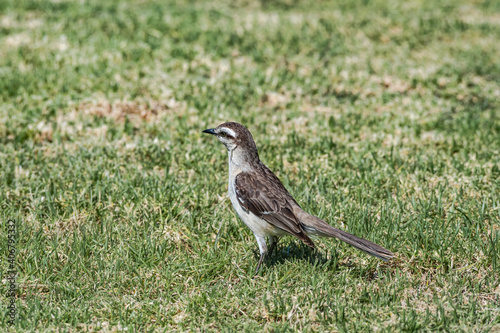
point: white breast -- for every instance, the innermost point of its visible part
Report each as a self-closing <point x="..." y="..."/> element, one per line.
<point x="258" y="226"/>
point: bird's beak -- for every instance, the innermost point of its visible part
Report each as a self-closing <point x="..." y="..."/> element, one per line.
<point x="210" y="131"/>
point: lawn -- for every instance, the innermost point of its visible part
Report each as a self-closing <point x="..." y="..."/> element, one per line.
<point x="380" y="117"/>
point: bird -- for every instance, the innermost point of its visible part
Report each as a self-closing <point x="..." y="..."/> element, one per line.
<point x="266" y="207"/>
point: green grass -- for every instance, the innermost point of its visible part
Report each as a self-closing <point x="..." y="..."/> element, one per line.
<point x="383" y="118"/>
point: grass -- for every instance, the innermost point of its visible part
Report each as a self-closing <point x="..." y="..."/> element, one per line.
<point x="383" y="118"/>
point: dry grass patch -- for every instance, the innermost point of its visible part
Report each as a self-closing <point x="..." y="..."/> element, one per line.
<point x="119" y="110"/>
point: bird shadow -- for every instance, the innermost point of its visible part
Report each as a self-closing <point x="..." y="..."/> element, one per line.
<point x="286" y="252"/>
<point x="292" y="251"/>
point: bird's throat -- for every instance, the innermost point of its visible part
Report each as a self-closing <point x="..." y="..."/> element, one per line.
<point x="240" y="159"/>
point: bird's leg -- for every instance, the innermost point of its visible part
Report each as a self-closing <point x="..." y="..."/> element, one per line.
<point x="260" y="240"/>
<point x="274" y="241"/>
<point x="262" y="257"/>
<point x="263" y="251"/>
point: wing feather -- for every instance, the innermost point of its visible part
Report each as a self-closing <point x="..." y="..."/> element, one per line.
<point x="267" y="198"/>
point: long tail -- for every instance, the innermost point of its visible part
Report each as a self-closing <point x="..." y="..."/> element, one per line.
<point x="315" y="226"/>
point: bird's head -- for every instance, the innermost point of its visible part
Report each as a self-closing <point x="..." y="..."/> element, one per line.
<point x="236" y="138"/>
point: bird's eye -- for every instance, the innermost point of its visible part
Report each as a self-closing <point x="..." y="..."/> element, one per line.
<point x="223" y="134"/>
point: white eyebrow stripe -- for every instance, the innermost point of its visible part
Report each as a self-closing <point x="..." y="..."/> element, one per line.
<point x="228" y="131"/>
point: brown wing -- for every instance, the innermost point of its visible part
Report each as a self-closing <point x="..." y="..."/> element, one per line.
<point x="266" y="197"/>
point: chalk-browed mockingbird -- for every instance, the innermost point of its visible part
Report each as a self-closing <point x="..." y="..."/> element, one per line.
<point x="264" y="204"/>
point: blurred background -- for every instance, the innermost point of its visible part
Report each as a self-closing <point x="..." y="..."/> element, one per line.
<point x="381" y="117"/>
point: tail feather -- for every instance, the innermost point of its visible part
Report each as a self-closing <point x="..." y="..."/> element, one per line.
<point x="316" y="226"/>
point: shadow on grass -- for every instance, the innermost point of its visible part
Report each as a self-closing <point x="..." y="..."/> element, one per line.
<point x="297" y="251"/>
<point x="290" y="251"/>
